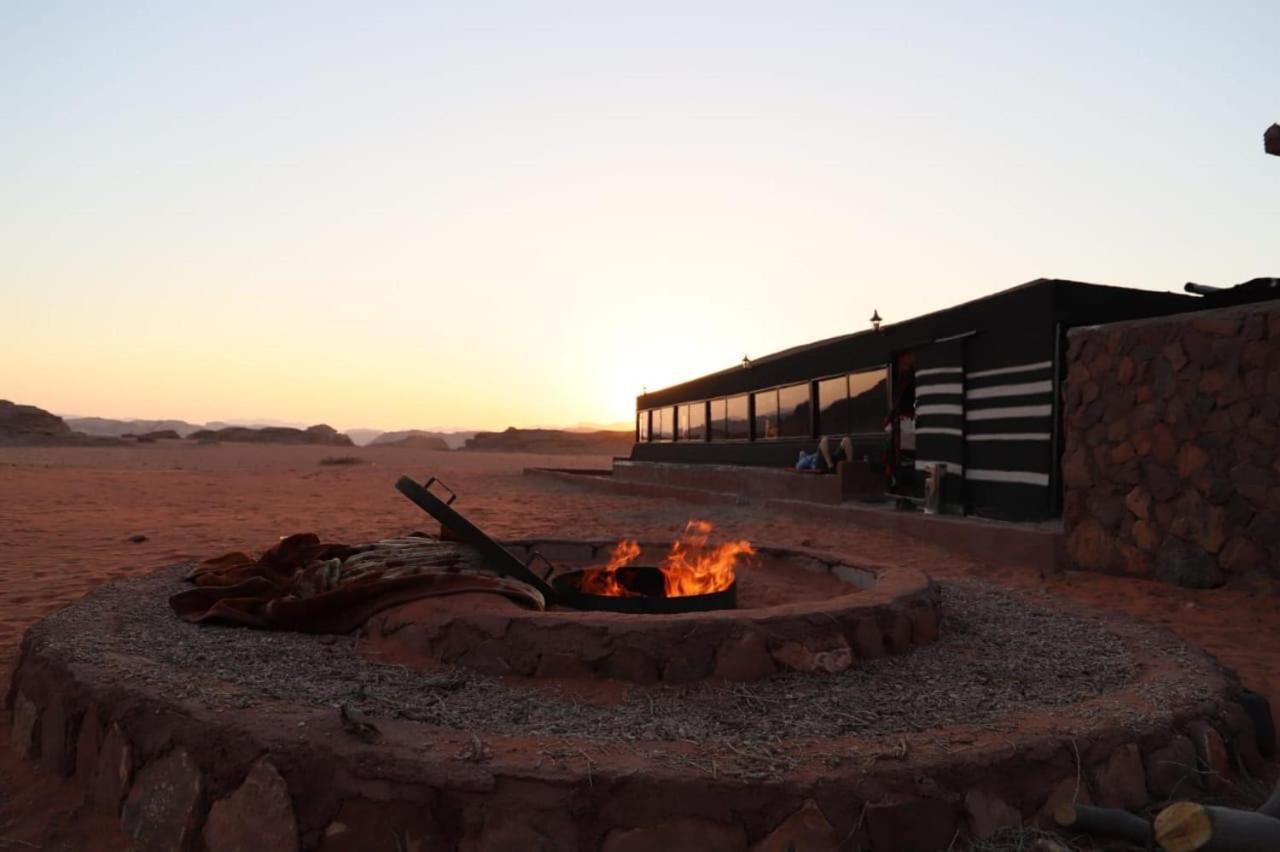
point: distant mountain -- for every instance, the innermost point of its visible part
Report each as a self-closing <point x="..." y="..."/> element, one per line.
<point x="513" y="440"/>
<point x="320" y="434"/>
<point x="363" y="437"/>
<point x="415" y="438"/>
<point x="25" y="425"/>
<point x="107" y="427"/>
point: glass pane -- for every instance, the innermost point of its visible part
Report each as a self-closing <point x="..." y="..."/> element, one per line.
<point x="793" y="411"/>
<point x="868" y="400"/>
<point x="719" y="414"/>
<point x="766" y="403"/>
<point x="693" y="422"/>
<point x="736" y="418"/>
<point x="662" y="424"/>
<point x="833" y="406"/>
<point x="643" y="429"/>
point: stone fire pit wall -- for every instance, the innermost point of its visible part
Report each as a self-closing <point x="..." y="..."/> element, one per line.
<point x="1170" y="459"/>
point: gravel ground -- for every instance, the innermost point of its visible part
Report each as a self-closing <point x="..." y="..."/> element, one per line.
<point x="999" y="654"/>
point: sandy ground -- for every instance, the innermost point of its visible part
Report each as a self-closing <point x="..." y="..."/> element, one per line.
<point x="66" y="516"/>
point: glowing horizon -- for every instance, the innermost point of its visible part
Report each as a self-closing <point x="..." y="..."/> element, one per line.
<point x="486" y="216"/>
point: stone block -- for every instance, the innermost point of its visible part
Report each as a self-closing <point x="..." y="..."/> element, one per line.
<point x="686" y="834"/>
<point x="88" y="744"/>
<point x="1171" y="770"/>
<point x="58" y="733"/>
<point x="924" y="625"/>
<point x="1212" y="758"/>
<point x="114" y="771"/>
<point x="987" y="814"/>
<point x="1138" y="501"/>
<point x="831" y="656"/>
<point x="806" y="829"/>
<point x="1145" y="536"/>
<point x="1090" y="547"/>
<point x="630" y="664"/>
<point x="1242" y="556"/>
<point x="1190" y="460"/>
<point x="1187" y="565"/>
<point x="744" y="657"/>
<point x="23" y="736"/>
<point x="1121" y="781"/>
<point x="162" y="808"/>
<point x="1164" y="445"/>
<point x="915" y="825"/>
<point x="258" y="815"/>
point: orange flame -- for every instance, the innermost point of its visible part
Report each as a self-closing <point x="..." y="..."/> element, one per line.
<point x="694" y="568"/>
<point x="691" y="567"/>
<point x="605" y="580"/>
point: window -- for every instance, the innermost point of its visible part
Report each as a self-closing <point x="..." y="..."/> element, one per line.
<point x="868" y="400"/>
<point x="662" y="424"/>
<point x="693" y="421"/>
<point x="766" y="405"/>
<point x="833" y="406"/>
<point x="737" y="427"/>
<point x="719" y="425"/>
<point x="642" y="426"/>
<point x="793" y="411"/>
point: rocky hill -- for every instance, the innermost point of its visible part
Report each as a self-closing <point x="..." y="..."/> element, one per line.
<point x="320" y="435"/>
<point x="110" y="428"/>
<point x="26" y="425"/>
<point x="414" y="438"/>
<point x="512" y="440"/>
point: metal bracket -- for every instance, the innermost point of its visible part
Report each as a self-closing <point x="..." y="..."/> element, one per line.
<point x="434" y="481"/>
<point x="536" y="556"/>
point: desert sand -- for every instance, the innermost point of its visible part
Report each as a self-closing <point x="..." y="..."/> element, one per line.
<point x="67" y="516"/>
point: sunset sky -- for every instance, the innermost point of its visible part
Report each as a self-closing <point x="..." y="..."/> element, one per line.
<point x="489" y="214"/>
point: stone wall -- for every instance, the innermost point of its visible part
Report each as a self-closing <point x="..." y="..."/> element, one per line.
<point x="1170" y="464"/>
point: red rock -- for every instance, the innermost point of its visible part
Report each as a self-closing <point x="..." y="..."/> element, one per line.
<point x="1068" y="791"/>
<point x="58" y="731"/>
<point x="745" y="657"/>
<point x="1191" y="458"/>
<point x="924" y="625"/>
<point x="1164" y="445"/>
<point x="1254" y="354"/>
<point x="258" y="815"/>
<point x="1142" y="442"/>
<point x="1220" y="326"/>
<point x="916" y="825"/>
<point x="1088" y="393"/>
<point x="562" y="665"/>
<point x="88" y="745"/>
<point x="1122" y="453"/>
<point x="1090" y="547"/>
<point x="399" y="825"/>
<point x="1076" y="471"/>
<point x="1212" y="532"/>
<point x="807" y="829"/>
<point x="834" y="655"/>
<point x="868" y="639"/>
<point x="1124" y="370"/>
<point x="1211" y="756"/>
<point x="1171" y="770"/>
<point x="1139" y="502"/>
<point x="988" y="814"/>
<point x="686" y="834"/>
<point x="1242" y="556"/>
<point x="631" y="664"/>
<point x="114" y="771"/>
<point x="26" y="718"/>
<point x="1121" y="781"/>
<point x="1145" y="536"/>
<point x="1176" y="357"/>
<point x="162" y="808"/>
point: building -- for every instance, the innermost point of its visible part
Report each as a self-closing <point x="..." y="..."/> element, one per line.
<point x="975" y="389"/>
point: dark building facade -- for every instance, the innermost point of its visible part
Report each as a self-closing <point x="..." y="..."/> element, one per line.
<point x="974" y="388"/>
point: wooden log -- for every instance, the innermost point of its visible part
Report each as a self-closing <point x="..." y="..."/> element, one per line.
<point x="1190" y="827"/>
<point x="1104" y="822"/>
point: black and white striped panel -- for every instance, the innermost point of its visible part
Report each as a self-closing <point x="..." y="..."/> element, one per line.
<point x="940" y="407"/>
<point x="1009" y="423"/>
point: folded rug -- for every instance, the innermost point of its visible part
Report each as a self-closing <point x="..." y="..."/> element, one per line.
<point x="311" y="586"/>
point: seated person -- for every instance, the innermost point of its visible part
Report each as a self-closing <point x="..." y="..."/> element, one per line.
<point x="824" y="459"/>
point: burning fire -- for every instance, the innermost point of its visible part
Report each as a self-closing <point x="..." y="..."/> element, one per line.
<point x="691" y="567"/>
